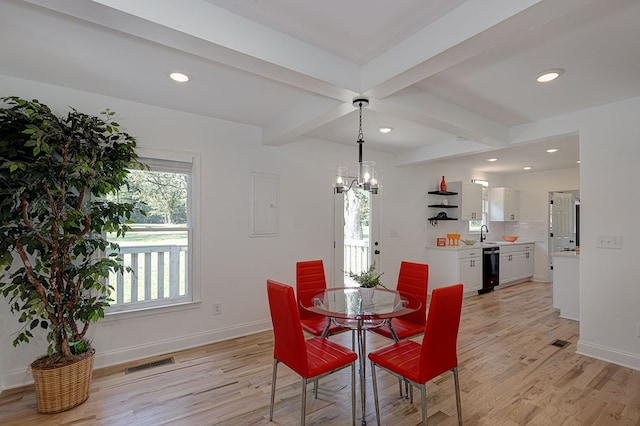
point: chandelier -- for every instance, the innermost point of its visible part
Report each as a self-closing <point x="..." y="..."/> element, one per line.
<point x="366" y="169"/>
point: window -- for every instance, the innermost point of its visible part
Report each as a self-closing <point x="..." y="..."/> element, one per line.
<point x="157" y="247"/>
<point x="474" y="225"/>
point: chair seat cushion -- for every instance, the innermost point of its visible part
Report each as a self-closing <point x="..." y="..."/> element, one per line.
<point x="404" y="329"/>
<point x="402" y="358"/>
<point x="316" y="324"/>
<point x="325" y="355"/>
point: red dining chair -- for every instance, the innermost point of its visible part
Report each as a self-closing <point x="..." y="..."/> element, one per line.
<point x="418" y="363"/>
<point x="413" y="279"/>
<point x="310" y="280"/>
<point x="311" y="359"/>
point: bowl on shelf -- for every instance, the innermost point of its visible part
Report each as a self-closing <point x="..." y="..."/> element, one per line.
<point x="469" y="242"/>
<point x="510" y="238"/>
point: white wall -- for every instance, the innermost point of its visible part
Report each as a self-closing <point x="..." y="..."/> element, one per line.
<point x="609" y="205"/>
<point x="609" y="289"/>
<point x="232" y="268"/>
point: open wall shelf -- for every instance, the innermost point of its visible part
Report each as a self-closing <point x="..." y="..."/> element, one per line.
<point x="442" y="193"/>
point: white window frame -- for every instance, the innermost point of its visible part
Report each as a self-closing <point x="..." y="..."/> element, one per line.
<point x="179" y="162"/>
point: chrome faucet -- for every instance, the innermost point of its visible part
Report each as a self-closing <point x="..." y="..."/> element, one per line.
<point x="482" y="236"/>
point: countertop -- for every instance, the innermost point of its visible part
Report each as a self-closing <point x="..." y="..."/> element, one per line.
<point x="569" y="254"/>
<point x="464" y="246"/>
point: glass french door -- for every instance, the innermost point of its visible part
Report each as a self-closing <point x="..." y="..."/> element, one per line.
<point x="356" y="230"/>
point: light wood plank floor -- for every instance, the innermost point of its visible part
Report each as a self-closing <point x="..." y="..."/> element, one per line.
<point x="509" y="374"/>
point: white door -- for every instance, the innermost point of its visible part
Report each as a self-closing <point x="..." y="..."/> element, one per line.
<point x="356" y="234"/>
<point x="561" y="223"/>
<point x="561" y="227"/>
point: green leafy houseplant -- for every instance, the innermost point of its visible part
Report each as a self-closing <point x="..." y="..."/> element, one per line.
<point x="369" y="278"/>
<point x="54" y="174"/>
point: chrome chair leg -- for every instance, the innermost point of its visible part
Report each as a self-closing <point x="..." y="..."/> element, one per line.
<point x="423" y="400"/>
<point x="273" y="388"/>
<point x="353" y="393"/>
<point x="458" y="402"/>
<point x="375" y="391"/>
<point x="304" y="401"/>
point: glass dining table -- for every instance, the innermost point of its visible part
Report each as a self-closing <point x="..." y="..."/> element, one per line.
<point x="362" y="309"/>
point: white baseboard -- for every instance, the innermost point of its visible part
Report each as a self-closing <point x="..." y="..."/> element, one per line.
<point x="614" y="356"/>
<point x="22" y="377"/>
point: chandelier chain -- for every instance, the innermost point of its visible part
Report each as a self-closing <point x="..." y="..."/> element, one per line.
<point x="360" y="134"/>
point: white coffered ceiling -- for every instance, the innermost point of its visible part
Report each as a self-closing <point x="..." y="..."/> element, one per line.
<point x="452" y="77"/>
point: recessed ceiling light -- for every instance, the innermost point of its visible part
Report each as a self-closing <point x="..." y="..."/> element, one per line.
<point x="492" y="159"/>
<point x="179" y="77"/>
<point x="385" y="129"/>
<point x="551" y="150"/>
<point x="527" y="168"/>
<point x="549" y="75"/>
<point x="578" y="161"/>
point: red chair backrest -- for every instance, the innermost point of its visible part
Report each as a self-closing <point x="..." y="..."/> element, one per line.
<point x="439" y="345"/>
<point x="414" y="279"/>
<point x="289" y="345"/>
<point x="310" y="280"/>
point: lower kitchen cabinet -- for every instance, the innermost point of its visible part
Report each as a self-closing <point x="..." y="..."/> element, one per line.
<point x="452" y="266"/>
<point x="470" y="263"/>
<point x="516" y="263"/>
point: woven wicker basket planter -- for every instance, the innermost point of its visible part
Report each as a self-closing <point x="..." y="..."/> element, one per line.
<point x="61" y="388"/>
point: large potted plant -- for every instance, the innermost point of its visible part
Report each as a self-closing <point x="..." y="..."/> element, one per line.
<point x="54" y="174"/>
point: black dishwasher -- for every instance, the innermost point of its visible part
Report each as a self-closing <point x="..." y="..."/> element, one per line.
<point x="490" y="268"/>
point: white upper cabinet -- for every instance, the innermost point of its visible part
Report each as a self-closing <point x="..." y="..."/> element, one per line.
<point x="504" y="204"/>
<point x="471" y="202"/>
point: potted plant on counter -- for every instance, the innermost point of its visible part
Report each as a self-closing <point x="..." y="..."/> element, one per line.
<point x="368" y="280"/>
<point x="54" y="174"/>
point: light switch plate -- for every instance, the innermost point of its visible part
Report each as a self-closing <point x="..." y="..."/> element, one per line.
<point x="609" y="241"/>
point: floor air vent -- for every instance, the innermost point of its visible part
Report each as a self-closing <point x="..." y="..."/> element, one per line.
<point x="148" y="365"/>
<point x="560" y="343"/>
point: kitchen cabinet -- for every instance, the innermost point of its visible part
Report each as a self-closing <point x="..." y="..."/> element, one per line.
<point x="448" y="266"/>
<point x="470" y="264"/>
<point x="469" y="200"/>
<point x="504" y="204"/>
<point x="566" y="284"/>
<point x="516" y="263"/>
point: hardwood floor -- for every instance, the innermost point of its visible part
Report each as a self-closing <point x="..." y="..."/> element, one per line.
<point x="510" y="374"/>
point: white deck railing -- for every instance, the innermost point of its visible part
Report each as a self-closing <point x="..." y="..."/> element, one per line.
<point x="158" y="272"/>
<point x="356" y="256"/>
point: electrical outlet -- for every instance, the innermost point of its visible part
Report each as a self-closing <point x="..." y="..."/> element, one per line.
<point x="609" y="241"/>
<point x="217" y="308"/>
